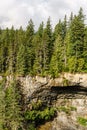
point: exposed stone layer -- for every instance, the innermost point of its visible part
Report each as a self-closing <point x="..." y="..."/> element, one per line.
<point x="68" y="90"/>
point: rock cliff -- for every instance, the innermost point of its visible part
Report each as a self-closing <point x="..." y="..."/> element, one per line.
<point x="67" y="93"/>
<point x="71" y="85"/>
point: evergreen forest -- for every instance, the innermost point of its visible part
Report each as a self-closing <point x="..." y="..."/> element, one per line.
<point x="46" y="51"/>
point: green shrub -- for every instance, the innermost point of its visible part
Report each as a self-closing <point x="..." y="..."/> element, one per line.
<point x="67" y="110"/>
<point x="64" y="109"/>
<point x="31" y="127"/>
<point x="47" y="114"/>
<point x="73" y="108"/>
<point x="37" y="115"/>
<point x="31" y="115"/>
<point x="65" y="82"/>
<point x="37" y="105"/>
<point x="82" y="121"/>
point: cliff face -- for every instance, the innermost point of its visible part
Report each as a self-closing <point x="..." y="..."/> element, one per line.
<point x="68" y="119"/>
<point x="67" y="86"/>
<point x="68" y="94"/>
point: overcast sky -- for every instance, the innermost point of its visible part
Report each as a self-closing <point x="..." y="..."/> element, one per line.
<point x="18" y="12"/>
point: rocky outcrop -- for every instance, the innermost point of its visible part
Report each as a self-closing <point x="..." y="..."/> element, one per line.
<point x="79" y="79"/>
<point x="73" y="85"/>
<point x="67" y="91"/>
<point x="68" y="120"/>
<point x="63" y="93"/>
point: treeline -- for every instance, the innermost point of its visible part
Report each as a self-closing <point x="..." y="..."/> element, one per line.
<point x="47" y="51"/>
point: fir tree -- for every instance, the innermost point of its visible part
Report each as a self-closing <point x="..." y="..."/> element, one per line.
<point x="38" y="63"/>
<point x="76" y="38"/>
<point x="85" y="50"/>
<point x="11" y="51"/>
<point x="29" y="46"/>
<point x="58" y="29"/>
<point x="21" y="61"/>
<point x="2" y="105"/>
<point x="47" y="41"/>
<point x="13" y="119"/>
<point x="56" y="65"/>
<point x="20" y="53"/>
<point x="4" y="50"/>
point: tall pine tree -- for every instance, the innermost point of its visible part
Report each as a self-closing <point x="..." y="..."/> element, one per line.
<point x="38" y="63"/>
<point x="56" y="65"/>
<point x="47" y="41"/>
<point x="13" y="119"/>
<point x="29" y="46"/>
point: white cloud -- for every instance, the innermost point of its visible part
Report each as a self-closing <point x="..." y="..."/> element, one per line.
<point x="18" y="12"/>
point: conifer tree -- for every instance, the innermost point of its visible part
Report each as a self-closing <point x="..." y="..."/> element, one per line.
<point x="1" y="58"/>
<point x="76" y="38"/>
<point x="21" y="61"/>
<point x="4" y="50"/>
<point x="70" y="19"/>
<point x="64" y="35"/>
<point x="11" y="51"/>
<point x="38" y="63"/>
<point x="13" y="119"/>
<point x="2" y="105"/>
<point x="20" y="53"/>
<point x="21" y="36"/>
<point x="85" y="50"/>
<point x="56" y="65"/>
<point x="64" y="27"/>
<point x="29" y="46"/>
<point x="77" y="35"/>
<point x="58" y="29"/>
<point x="47" y="41"/>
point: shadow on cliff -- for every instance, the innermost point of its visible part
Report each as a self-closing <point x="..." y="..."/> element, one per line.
<point x="70" y="91"/>
<point x="50" y="94"/>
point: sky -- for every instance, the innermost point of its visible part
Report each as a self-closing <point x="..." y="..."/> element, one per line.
<point x="19" y="12"/>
